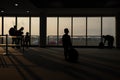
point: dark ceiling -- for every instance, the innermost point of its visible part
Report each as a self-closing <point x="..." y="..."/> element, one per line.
<point x="76" y="3"/>
<point x="36" y="7"/>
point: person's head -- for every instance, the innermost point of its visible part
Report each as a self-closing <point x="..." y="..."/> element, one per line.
<point x="27" y="33"/>
<point x="103" y="36"/>
<point x="15" y="26"/>
<point x="66" y="30"/>
<point x="22" y="28"/>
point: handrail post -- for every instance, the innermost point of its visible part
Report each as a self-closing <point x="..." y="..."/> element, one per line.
<point x="48" y="40"/>
<point x="23" y="43"/>
<point x="6" y="44"/>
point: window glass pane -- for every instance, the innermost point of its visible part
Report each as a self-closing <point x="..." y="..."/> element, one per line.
<point x="79" y="31"/>
<point x="52" y="30"/>
<point x="64" y="22"/>
<point x="8" y="23"/>
<point x="35" y="25"/>
<point x="109" y="27"/>
<point x="94" y="31"/>
<point x="23" y="22"/>
<point x="35" y="29"/>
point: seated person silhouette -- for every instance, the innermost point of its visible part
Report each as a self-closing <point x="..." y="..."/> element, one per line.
<point x="12" y="32"/>
<point x="109" y="39"/>
<point x="66" y="41"/>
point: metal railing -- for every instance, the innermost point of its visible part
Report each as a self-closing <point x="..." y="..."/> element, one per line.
<point x="77" y="40"/>
<point x="6" y="44"/>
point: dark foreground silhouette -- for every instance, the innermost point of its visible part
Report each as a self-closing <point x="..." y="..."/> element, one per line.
<point x="69" y="52"/>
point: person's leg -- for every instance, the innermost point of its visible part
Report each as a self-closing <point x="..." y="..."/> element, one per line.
<point x="27" y="44"/>
<point x="13" y="42"/>
<point x="65" y="53"/>
<point x="18" y="43"/>
<point x="109" y="44"/>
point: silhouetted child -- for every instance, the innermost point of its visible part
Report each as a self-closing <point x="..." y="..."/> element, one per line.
<point x="66" y="41"/>
<point x="27" y="39"/>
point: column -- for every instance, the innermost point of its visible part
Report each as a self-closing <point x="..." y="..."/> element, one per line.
<point x="118" y="31"/>
<point x="43" y="31"/>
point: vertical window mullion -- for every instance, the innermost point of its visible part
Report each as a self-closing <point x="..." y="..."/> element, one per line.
<point x="86" y="30"/>
<point x="30" y="27"/>
<point x="2" y="28"/>
<point x="72" y="28"/>
<point x="57" y="30"/>
<point x="101" y="28"/>
<point x="39" y="30"/>
<point x="2" y="25"/>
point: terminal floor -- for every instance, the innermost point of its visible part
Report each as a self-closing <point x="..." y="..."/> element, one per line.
<point x="48" y="64"/>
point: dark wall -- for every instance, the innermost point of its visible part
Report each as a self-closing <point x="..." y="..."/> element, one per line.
<point x="118" y="30"/>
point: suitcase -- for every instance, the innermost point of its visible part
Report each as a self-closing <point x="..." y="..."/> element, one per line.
<point x="73" y="55"/>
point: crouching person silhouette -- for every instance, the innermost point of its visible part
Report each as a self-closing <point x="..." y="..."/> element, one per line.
<point x="109" y="39"/>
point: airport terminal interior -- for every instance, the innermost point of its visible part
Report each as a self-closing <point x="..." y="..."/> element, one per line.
<point x="88" y="21"/>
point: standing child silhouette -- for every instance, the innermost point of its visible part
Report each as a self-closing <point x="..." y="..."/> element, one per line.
<point x="66" y="41"/>
<point x="27" y="39"/>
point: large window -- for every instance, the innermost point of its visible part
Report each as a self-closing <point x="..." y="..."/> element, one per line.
<point x="23" y="22"/>
<point x="108" y="28"/>
<point x="93" y="31"/>
<point x="84" y="31"/>
<point x="30" y="24"/>
<point x="79" y="31"/>
<point x="52" y="30"/>
<point x="35" y="30"/>
<point x="8" y="23"/>
<point x="64" y="22"/>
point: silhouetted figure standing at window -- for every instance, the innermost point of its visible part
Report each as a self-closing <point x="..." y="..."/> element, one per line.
<point x="20" y="36"/>
<point x="66" y="41"/>
<point x="27" y="39"/>
<point x="109" y="39"/>
<point x="13" y="32"/>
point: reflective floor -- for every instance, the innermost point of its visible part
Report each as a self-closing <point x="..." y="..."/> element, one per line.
<point x="49" y="64"/>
